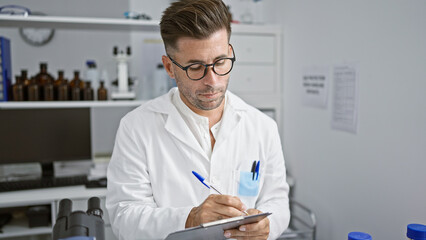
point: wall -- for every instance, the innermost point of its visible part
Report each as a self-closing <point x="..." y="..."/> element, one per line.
<point x="373" y="180"/>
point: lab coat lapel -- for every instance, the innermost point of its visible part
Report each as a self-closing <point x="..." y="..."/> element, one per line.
<point x="175" y="124"/>
<point x="232" y="116"/>
<point x="177" y="127"/>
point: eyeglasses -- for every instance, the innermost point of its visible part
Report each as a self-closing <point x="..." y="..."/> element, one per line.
<point x="14" y="10"/>
<point x="197" y="71"/>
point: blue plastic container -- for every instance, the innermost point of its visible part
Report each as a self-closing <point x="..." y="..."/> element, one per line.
<point x="359" y="236"/>
<point x="416" y="232"/>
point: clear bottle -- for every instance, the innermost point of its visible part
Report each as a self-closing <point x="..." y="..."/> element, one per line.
<point x="359" y="236"/>
<point x="18" y="89"/>
<point x="102" y="92"/>
<point x="416" y="231"/>
<point x="63" y="91"/>
<point x="88" y="92"/>
<point x="33" y="90"/>
<point x="161" y="83"/>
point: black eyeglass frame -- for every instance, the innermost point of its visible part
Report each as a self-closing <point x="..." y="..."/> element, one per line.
<point x="233" y="59"/>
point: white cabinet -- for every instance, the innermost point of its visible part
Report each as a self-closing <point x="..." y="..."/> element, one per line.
<point x="256" y="76"/>
<point x="254" y="48"/>
<point x="254" y="71"/>
<point x="252" y="79"/>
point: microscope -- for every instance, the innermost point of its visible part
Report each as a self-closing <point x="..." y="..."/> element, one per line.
<point x="124" y="92"/>
<point x="79" y="224"/>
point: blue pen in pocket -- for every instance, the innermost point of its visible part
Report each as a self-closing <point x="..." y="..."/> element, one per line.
<point x="249" y="181"/>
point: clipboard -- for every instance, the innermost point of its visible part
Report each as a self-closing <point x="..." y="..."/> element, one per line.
<point x="214" y="230"/>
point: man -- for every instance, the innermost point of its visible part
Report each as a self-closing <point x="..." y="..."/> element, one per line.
<point x="198" y="126"/>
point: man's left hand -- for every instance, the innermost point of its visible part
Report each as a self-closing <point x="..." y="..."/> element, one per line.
<point x="258" y="230"/>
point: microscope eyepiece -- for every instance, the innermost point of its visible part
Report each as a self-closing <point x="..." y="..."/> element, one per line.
<point x="65" y="207"/>
<point x="94" y="207"/>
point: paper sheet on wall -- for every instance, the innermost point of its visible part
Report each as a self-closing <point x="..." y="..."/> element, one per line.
<point x="315" y="86"/>
<point x="345" y="98"/>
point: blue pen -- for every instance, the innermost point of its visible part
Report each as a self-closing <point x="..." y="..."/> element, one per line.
<point x="257" y="169"/>
<point x="207" y="184"/>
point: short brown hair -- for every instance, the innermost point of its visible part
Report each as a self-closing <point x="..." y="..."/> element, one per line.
<point x="193" y="18"/>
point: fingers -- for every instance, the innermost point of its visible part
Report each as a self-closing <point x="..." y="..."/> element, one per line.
<point x="259" y="230"/>
<point x="253" y="211"/>
<point x="215" y="207"/>
<point x="230" y="201"/>
<point x="223" y="205"/>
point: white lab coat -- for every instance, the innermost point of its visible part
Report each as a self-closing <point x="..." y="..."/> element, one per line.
<point x="151" y="188"/>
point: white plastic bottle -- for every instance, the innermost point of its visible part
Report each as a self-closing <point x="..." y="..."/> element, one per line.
<point x="160" y="81"/>
<point x="416" y="232"/>
<point x="92" y="75"/>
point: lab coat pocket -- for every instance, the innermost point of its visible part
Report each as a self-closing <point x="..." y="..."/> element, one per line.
<point x="248" y="187"/>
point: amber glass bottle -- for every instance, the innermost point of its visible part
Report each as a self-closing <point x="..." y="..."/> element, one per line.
<point x="76" y="93"/>
<point x="26" y="82"/>
<point x="42" y="77"/>
<point x="33" y="91"/>
<point x="75" y="79"/>
<point x="88" y="92"/>
<point x="48" y="91"/>
<point x="63" y="91"/>
<point x="102" y="92"/>
<point x="18" y="90"/>
<point x="57" y="83"/>
<point x="60" y="78"/>
<point x="24" y="77"/>
<point x="76" y="87"/>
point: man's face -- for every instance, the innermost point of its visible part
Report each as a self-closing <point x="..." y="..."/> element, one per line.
<point x="207" y="93"/>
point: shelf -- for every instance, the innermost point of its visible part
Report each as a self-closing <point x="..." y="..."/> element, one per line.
<point x="70" y="104"/>
<point x="47" y="195"/>
<point x="19" y="227"/>
<point x="92" y="23"/>
<point x="78" y="23"/>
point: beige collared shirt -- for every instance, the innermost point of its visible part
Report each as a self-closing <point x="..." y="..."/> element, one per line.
<point x="198" y="125"/>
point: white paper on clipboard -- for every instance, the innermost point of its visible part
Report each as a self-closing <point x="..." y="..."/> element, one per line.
<point x="214" y="230"/>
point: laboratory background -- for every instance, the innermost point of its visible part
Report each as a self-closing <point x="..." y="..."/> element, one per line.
<point x="345" y="81"/>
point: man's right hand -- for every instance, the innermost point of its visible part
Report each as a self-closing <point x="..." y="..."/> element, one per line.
<point x="215" y="207"/>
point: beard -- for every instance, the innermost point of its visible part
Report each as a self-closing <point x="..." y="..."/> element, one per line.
<point x="198" y="99"/>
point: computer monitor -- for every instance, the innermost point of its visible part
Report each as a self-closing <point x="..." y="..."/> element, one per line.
<point x="45" y="136"/>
